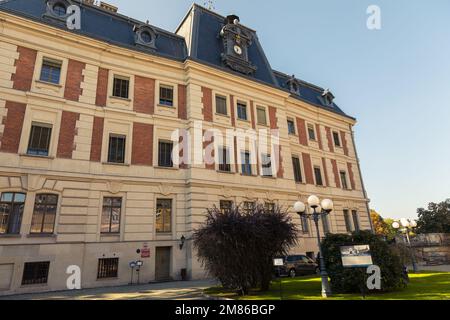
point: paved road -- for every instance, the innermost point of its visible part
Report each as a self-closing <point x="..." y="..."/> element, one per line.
<point x="188" y="290"/>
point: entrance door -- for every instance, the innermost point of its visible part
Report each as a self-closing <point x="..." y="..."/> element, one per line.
<point x="162" y="264"/>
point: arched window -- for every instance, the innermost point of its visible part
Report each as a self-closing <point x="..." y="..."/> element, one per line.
<point x="11" y="211"/>
<point x="44" y="214"/>
<point x="59" y="9"/>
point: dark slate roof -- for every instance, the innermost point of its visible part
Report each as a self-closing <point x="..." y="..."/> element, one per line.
<point x="206" y="45"/>
<point x="103" y="25"/>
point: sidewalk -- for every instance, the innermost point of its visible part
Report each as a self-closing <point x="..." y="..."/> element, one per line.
<point x="442" y="268"/>
<point x="183" y="290"/>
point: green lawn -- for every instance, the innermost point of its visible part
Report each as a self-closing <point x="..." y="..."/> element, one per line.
<point x="422" y="286"/>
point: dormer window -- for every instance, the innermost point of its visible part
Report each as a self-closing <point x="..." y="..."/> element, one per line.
<point x="327" y="97"/>
<point x="293" y="85"/>
<point x="145" y="36"/>
<point x="59" y="9"/>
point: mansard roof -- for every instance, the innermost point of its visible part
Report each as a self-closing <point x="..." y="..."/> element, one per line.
<point x="205" y="45"/>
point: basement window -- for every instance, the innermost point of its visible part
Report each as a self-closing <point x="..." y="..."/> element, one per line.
<point x="35" y="273"/>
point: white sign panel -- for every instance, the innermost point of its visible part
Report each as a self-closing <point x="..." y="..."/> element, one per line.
<point x="356" y="256"/>
<point x="278" y="262"/>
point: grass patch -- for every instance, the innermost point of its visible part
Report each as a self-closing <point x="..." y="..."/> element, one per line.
<point x="422" y="286"/>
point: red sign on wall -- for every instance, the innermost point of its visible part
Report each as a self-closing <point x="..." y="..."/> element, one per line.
<point x="145" y="252"/>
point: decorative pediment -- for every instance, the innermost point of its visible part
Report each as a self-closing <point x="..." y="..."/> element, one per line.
<point x="227" y="193"/>
<point x="250" y="194"/>
<point x="32" y="182"/>
<point x="236" y="41"/>
<point x="114" y="187"/>
<point x="270" y="195"/>
<point x="166" y="190"/>
<point x="145" y="36"/>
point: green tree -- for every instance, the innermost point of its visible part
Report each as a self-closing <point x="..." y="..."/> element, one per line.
<point x="237" y="247"/>
<point x="383" y="227"/>
<point x="435" y="219"/>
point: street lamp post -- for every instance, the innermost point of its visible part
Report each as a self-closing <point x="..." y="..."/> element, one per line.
<point x="407" y="225"/>
<point x="318" y="213"/>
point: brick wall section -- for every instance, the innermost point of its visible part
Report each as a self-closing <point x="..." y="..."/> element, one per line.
<point x="13" y="123"/>
<point x="209" y="140"/>
<point x="301" y="128"/>
<point x="344" y="142"/>
<point x="182" y="102"/>
<point x="252" y="112"/>
<point x="144" y="95"/>
<point x="325" y="171"/>
<point x="67" y="134"/>
<point x="351" y="175"/>
<point x="336" y="173"/>
<point x="74" y="78"/>
<point x="97" y="138"/>
<point x="102" y="87"/>
<point x="307" y="166"/>
<point x="330" y="139"/>
<point x="273" y="118"/>
<point x="23" y="77"/>
<point x="319" y="136"/>
<point x="207" y="104"/>
<point x="142" y="148"/>
<point x="232" y="113"/>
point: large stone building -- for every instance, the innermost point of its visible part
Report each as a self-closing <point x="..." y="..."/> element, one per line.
<point x="87" y="117"/>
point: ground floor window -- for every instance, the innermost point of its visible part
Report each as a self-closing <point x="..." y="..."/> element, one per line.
<point x="226" y="206"/>
<point x="108" y="268"/>
<point x="35" y="273"/>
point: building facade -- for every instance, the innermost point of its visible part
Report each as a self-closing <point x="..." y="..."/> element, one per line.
<point x="89" y="104"/>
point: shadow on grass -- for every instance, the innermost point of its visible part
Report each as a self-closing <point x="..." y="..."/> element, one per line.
<point x="422" y="286"/>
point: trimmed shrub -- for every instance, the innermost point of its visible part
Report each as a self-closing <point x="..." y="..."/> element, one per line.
<point x="351" y="280"/>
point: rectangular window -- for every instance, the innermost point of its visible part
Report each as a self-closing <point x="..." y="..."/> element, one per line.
<point x="305" y="224"/>
<point x="249" y="206"/>
<point x="291" y="126"/>
<point x="163" y="215"/>
<point x="224" y="160"/>
<point x="120" y="87"/>
<point x="112" y="208"/>
<point x="44" y="214"/>
<point x="343" y="175"/>
<point x="165" y="154"/>
<point x="226" y="206"/>
<point x="108" y="268"/>
<point x="337" y="140"/>
<point x="166" y="96"/>
<point x="116" y="152"/>
<point x="266" y="165"/>
<point x="261" y="116"/>
<point x="356" y="220"/>
<point x="348" y="222"/>
<point x="325" y="224"/>
<point x="242" y="111"/>
<point x="246" y="164"/>
<point x="318" y="175"/>
<point x="221" y="105"/>
<point x="269" y="207"/>
<point x="311" y="132"/>
<point x="35" y="273"/>
<point x="39" y="143"/>
<point x="11" y="211"/>
<point x="297" y="170"/>
<point x="51" y="71"/>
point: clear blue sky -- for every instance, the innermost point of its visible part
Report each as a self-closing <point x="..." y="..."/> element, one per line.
<point x="395" y="81"/>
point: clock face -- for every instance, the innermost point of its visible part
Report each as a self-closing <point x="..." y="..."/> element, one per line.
<point x="238" y="50"/>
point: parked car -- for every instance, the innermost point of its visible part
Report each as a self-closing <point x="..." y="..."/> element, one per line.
<point x="295" y="265"/>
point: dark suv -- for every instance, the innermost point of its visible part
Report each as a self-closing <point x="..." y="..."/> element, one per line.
<point x="295" y="265"/>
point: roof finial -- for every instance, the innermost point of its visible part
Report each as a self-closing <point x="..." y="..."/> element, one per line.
<point x="209" y="4"/>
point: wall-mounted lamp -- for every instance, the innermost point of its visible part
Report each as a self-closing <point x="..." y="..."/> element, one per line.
<point x="182" y="240"/>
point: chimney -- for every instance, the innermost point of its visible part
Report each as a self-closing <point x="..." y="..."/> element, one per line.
<point x="108" y="7"/>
